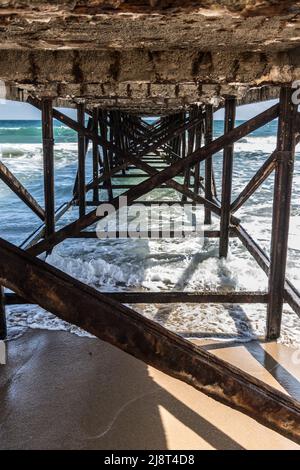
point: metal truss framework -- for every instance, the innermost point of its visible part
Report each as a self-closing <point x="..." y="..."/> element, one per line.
<point x="179" y="146"/>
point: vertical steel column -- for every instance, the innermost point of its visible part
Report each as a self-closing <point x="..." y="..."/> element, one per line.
<point x="81" y="161"/>
<point x="208" y="137"/>
<point x="198" y="142"/>
<point x="106" y="166"/>
<point x="281" y="210"/>
<point x="190" y="146"/>
<point x="230" y="110"/>
<point x="183" y="138"/>
<point x="48" y="163"/>
<point x="112" y="136"/>
<point x="3" y="330"/>
<point x="95" y="156"/>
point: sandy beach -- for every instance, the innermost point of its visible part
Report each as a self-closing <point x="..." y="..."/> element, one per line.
<point x="61" y="391"/>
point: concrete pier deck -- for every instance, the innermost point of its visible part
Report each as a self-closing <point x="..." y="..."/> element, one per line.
<point x="60" y="391"/>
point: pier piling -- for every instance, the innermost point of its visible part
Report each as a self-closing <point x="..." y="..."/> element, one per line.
<point x="3" y="328"/>
<point x="284" y="168"/>
<point x="230" y="110"/>
<point x="48" y="159"/>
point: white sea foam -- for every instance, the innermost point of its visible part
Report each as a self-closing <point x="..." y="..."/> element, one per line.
<point x="3" y="129"/>
<point x="25" y="161"/>
<point x="257" y="145"/>
<point x="96" y="272"/>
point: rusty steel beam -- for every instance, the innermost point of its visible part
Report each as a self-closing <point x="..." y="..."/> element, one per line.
<point x="149" y="235"/>
<point x="257" y="180"/>
<point x="163" y="134"/>
<point x="86" y="145"/>
<point x="39" y="233"/>
<point x="106" y="154"/>
<point x="189" y="297"/>
<point x="102" y="177"/>
<point x="208" y="136"/>
<point x="291" y="294"/>
<point x="190" y="148"/>
<point x="81" y="305"/>
<point x="48" y="162"/>
<point x="81" y="160"/>
<point x="230" y="112"/>
<point x="3" y="328"/>
<point x="14" y="184"/>
<point x="170" y="297"/>
<point x="153" y="203"/>
<point x="285" y="156"/>
<point x="95" y="154"/>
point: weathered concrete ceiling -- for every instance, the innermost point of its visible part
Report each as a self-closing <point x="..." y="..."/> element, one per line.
<point x="151" y="55"/>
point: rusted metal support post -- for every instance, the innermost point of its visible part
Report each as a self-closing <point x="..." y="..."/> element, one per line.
<point x="286" y="142"/>
<point x="230" y="109"/>
<point x="112" y="139"/>
<point x="208" y="163"/>
<point x="119" y="140"/>
<point x="86" y="147"/>
<point x="48" y="161"/>
<point x="183" y="138"/>
<point x="95" y="156"/>
<point x="198" y="142"/>
<point x="3" y="330"/>
<point x="104" y="134"/>
<point x="81" y="160"/>
<point x="190" y="148"/>
<point x="260" y="176"/>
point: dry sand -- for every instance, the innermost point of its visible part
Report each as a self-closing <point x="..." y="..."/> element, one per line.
<point x="60" y="391"/>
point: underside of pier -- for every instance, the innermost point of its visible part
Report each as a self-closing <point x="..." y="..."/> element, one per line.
<point x="117" y="61"/>
<point x="149" y="56"/>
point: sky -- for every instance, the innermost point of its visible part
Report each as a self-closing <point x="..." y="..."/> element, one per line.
<point x="11" y="110"/>
<point x="248" y="111"/>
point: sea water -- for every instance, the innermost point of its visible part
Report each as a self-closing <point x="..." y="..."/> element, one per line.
<point x="190" y="264"/>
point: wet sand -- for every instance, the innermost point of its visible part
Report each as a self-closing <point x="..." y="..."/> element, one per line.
<point x="60" y="391"/>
